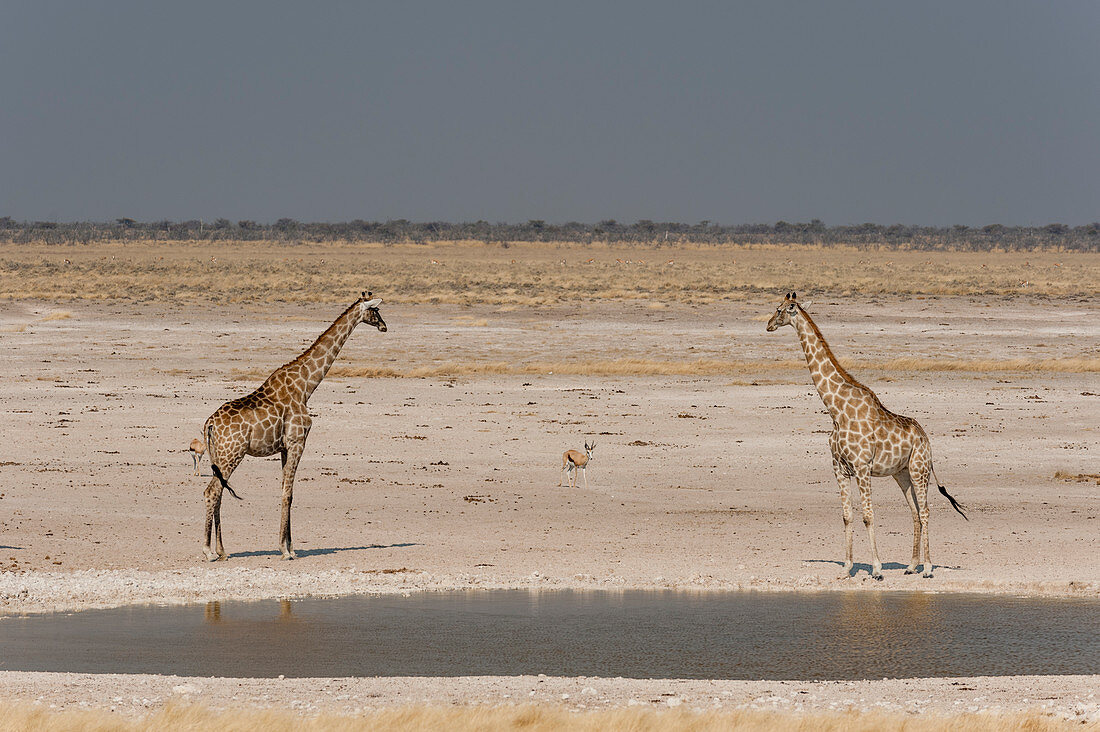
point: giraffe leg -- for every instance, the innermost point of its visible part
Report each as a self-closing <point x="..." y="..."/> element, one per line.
<point x="290" y="467"/>
<point x="922" y="473"/>
<point x="863" y="480"/>
<point x="905" y="482"/>
<point x="844" y="482"/>
<point x="295" y="441"/>
<point x="210" y="495"/>
<point x="218" y="526"/>
<point x="213" y="497"/>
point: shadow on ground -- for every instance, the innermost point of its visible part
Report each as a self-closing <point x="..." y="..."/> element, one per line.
<point x="321" y="552"/>
<point x="858" y="567"/>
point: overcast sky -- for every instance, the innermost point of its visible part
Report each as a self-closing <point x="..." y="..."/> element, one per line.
<point x="892" y="112"/>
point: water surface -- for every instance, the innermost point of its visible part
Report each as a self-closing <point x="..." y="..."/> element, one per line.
<point x="636" y="634"/>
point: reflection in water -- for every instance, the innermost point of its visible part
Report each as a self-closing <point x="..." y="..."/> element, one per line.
<point x="212" y="612"/>
<point x="917" y="612"/>
<point x="876" y="614"/>
<point x="639" y="634"/>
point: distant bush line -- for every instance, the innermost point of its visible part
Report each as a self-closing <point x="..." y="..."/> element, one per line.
<point x="640" y="233"/>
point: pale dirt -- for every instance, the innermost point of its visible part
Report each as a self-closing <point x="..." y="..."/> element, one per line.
<point x="410" y="484"/>
<point x="1069" y="697"/>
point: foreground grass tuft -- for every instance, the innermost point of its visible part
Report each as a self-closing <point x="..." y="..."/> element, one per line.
<point x="188" y="718"/>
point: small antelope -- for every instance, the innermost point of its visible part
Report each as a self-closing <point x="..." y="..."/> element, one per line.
<point x="198" y="447"/>
<point x="571" y="460"/>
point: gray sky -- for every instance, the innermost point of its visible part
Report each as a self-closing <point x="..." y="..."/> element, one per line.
<point x="892" y="112"/>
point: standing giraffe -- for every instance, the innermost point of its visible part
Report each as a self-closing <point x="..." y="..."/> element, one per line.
<point x="867" y="440"/>
<point x="274" y="419"/>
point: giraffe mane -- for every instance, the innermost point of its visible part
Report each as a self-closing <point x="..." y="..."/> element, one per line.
<point x="836" y="362"/>
<point x="317" y="340"/>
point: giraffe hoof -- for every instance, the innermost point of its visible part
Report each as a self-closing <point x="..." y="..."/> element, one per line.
<point x="877" y="577"/>
<point x="910" y="570"/>
<point x="221" y="558"/>
<point x="289" y="555"/>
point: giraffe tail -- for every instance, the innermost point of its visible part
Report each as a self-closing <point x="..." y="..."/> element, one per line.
<point x="214" y="466"/>
<point x="954" y="504"/>
<point x="225" y="483"/>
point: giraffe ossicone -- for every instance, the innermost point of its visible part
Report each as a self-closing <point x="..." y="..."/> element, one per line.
<point x="275" y="419"/>
<point x="867" y="440"/>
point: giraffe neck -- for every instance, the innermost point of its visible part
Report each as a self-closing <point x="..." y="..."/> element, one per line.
<point x="827" y="373"/>
<point x="309" y="369"/>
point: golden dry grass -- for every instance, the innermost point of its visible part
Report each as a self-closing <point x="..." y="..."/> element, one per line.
<point x="981" y="366"/>
<point x="53" y="315"/>
<point x="523" y="274"/>
<point x="1071" y="477"/>
<point x="692" y="367"/>
<point x="471" y="321"/>
<point x="192" y="718"/>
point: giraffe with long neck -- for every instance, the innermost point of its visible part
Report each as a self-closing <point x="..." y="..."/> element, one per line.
<point x="274" y="419"/>
<point x="867" y="440"/>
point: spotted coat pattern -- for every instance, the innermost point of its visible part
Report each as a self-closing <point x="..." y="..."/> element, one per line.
<point x="274" y="419"/>
<point x="867" y="440"/>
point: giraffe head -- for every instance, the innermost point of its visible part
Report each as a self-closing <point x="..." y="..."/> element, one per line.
<point x="785" y="313"/>
<point x="368" y="311"/>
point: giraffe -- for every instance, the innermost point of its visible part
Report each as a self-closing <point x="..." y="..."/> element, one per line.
<point x="867" y="440"/>
<point x="274" y="419"/>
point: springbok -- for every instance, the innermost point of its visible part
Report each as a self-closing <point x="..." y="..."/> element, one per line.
<point x="198" y="447"/>
<point x="571" y="460"/>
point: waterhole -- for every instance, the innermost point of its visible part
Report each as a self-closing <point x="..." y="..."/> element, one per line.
<point x="635" y="634"/>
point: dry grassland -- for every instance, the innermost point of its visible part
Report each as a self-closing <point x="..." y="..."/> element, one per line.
<point x="1077" y="477"/>
<point x="528" y="274"/>
<point x="696" y="367"/>
<point x="48" y="317"/>
<point x="531" y="718"/>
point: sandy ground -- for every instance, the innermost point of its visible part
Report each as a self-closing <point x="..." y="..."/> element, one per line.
<point x="1070" y="697"/>
<point x="708" y="481"/>
<point x="696" y="481"/>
